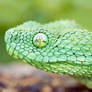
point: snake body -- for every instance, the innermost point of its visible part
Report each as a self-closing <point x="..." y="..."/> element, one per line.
<point x="62" y="47"/>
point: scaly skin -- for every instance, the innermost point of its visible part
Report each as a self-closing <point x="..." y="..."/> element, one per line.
<point x="63" y="47"/>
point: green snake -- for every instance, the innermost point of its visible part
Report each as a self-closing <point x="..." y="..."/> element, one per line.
<point x="61" y="47"/>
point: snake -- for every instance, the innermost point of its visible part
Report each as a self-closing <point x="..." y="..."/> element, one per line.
<point x="62" y="47"/>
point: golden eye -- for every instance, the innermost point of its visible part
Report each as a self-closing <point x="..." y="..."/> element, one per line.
<point x="40" y="40"/>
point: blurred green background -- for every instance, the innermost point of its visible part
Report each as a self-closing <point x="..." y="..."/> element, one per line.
<point x="14" y="12"/>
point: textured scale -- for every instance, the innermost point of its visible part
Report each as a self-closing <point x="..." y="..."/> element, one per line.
<point x="61" y="47"/>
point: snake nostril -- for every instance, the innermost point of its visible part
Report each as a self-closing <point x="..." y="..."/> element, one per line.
<point x="15" y="39"/>
<point x="10" y="36"/>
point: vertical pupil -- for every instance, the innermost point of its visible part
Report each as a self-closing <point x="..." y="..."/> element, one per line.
<point x="40" y="40"/>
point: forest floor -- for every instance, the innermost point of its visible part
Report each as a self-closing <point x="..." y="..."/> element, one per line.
<point x="23" y="78"/>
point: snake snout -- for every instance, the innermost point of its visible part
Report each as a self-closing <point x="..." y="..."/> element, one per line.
<point x="7" y="36"/>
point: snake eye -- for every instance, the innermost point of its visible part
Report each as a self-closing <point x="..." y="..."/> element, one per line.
<point x="40" y="40"/>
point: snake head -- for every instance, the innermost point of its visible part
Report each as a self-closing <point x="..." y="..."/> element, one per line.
<point x="54" y="47"/>
<point x="31" y="42"/>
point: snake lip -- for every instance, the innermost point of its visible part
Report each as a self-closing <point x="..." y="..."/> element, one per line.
<point x="11" y="48"/>
<point x="6" y="37"/>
